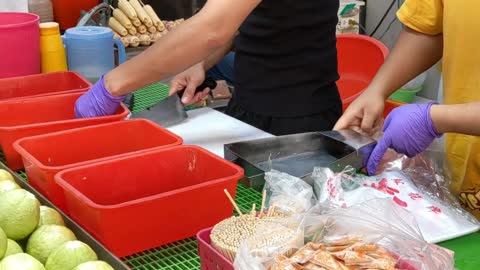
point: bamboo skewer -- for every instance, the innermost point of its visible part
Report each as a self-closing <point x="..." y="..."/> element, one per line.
<point x="264" y="197"/>
<point x="233" y="202"/>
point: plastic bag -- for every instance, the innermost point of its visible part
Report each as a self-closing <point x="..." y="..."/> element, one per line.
<point x="382" y="223"/>
<point x="419" y="185"/>
<point x="258" y="251"/>
<point x="290" y="195"/>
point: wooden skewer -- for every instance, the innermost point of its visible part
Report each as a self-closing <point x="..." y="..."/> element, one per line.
<point x="233" y="202"/>
<point x="253" y="209"/>
<point x="271" y="210"/>
<point x="141" y="2"/>
<point x="112" y="7"/>
<point x="264" y="197"/>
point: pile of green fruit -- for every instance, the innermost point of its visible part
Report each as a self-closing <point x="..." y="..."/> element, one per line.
<point x="34" y="237"/>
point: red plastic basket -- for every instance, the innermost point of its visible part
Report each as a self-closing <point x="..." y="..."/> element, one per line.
<point x="210" y="258"/>
<point x="46" y="155"/>
<point x="42" y="85"/>
<point x="146" y="200"/>
<point x="21" y="118"/>
<point x="359" y="59"/>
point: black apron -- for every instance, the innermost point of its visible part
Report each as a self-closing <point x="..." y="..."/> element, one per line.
<point x="286" y="67"/>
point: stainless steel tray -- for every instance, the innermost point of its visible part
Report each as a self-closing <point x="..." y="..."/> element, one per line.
<point x="299" y="154"/>
<point x="102" y="253"/>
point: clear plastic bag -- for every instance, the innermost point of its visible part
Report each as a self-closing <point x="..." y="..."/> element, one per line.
<point x="259" y="250"/>
<point x="382" y="223"/>
<point x="376" y="234"/>
<point x="420" y="185"/>
<point x="288" y="194"/>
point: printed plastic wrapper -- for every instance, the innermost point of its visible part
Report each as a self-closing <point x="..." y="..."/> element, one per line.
<point x="271" y="239"/>
<point x="288" y="194"/>
<point x="419" y="185"/>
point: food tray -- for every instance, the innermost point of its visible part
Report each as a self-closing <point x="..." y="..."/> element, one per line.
<point x="102" y="253"/>
<point x="46" y="155"/>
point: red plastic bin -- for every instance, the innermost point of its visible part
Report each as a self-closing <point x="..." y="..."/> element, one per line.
<point x="210" y="258"/>
<point x="146" y="200"/>
<point x="359" y="59"/>
<point x="21" y="118"/>
<point x="46" y="155"/>
<point x="42" y="85"/>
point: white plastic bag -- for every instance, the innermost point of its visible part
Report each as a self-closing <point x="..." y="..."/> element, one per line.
<point x="418" y="185"/>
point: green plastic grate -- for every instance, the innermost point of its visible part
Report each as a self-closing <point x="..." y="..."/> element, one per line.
<point x="151" y="95"/>
<point x="182" y="255"/>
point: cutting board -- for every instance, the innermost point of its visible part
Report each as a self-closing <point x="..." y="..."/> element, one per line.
<point x="211" y="129"/>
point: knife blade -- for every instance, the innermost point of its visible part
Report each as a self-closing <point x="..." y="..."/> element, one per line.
<point x="170" y="111"/>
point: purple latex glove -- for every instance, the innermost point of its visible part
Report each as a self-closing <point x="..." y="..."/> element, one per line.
<point x="408" y="130"/>
<point x="97" y="102"/>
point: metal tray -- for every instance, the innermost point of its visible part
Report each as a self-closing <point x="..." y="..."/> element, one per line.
<point x="102" y="253"/>
<point x="299" y="154"/>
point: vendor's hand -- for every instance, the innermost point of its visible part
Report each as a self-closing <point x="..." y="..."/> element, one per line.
<point x="408" y="130"/>
<point x="189" y="80"/>
<point x="364" y="114"/>
<point x="97" y="102"/>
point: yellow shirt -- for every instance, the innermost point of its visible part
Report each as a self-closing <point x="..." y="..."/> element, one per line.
<point x="458" y="21"/>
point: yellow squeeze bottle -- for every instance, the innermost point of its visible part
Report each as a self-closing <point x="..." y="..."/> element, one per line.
<point x="52" y="51"/>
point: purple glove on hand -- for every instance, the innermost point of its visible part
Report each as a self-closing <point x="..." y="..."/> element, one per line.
<point x="408" y="130"/>
<point x="97" y="102"/>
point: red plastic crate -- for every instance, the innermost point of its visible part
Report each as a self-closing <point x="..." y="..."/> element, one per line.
<point x="146" y="200"/>
<point x="42" y="85"/>
<point x="21" y="118"/>
<point x="45" y="155"/>
<point x="210" y="258"/>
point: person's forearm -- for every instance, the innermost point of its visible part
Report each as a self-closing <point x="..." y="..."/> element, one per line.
<point x="190" y="43"/>
<point x="458" y="118"/>
<point x="413" y="53"/>
<point x="218" y="55"/>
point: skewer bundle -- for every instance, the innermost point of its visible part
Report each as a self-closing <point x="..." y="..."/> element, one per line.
<point x="227" y="235"/>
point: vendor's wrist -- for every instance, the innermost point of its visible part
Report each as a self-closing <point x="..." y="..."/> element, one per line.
<point x="435" y="114"/>
<point x="112" y="86"/>
<point x="376" y="91"/>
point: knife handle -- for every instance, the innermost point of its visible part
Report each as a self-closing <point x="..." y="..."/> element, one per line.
<point x="207" y="83"/>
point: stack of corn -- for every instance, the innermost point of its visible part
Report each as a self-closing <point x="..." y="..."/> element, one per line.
<point x="138" y="24"/>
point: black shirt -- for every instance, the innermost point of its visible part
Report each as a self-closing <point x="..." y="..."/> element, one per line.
<point x="286" y="58"/>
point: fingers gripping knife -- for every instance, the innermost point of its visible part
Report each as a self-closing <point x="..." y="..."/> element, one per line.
<point x="169" y="111"/>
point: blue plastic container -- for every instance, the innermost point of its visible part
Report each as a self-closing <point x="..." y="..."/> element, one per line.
<point x="90" y="50"/>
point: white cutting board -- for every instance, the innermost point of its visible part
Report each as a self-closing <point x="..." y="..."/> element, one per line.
<point x="211" y="129"/>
